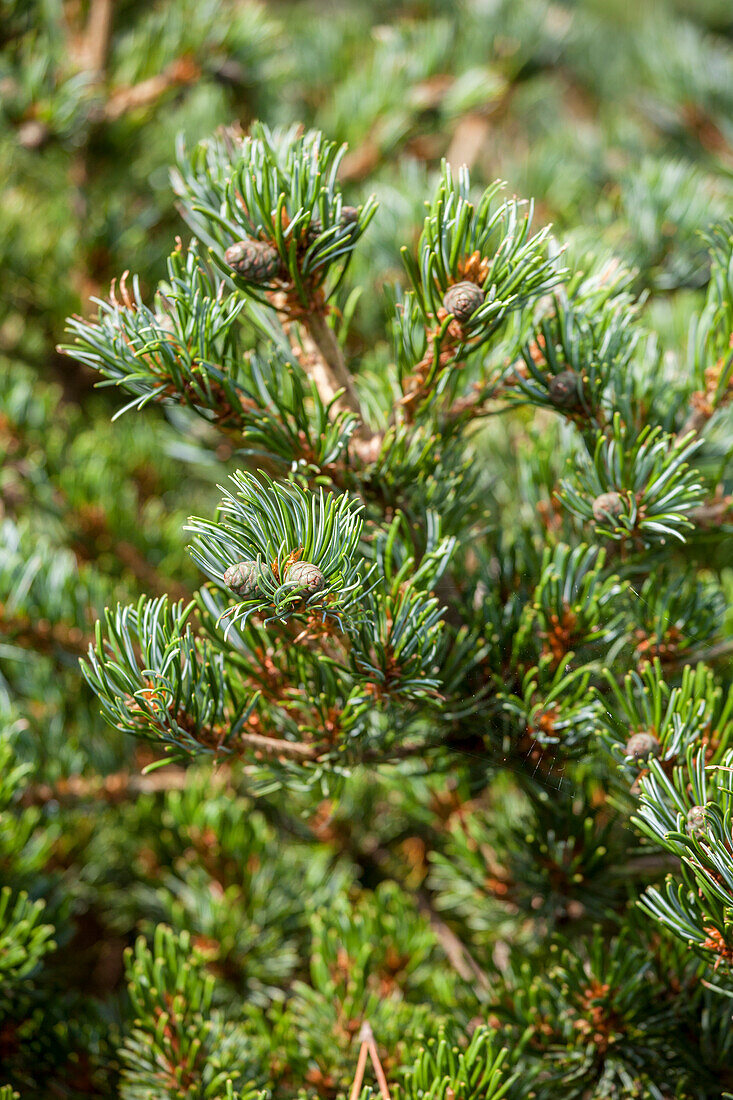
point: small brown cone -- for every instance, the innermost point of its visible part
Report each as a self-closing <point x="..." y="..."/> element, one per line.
<point x="463" y="299"/>
<point x="256" y="261"/>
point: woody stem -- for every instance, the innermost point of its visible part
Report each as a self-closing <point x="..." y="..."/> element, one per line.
<point x="331" y="370"/>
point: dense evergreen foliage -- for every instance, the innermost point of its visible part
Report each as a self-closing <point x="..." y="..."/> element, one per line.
<point x="365" y="556"/>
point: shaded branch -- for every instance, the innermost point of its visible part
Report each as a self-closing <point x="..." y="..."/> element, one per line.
<point x="95" y="42"/>
<point x="43" y="636"/>
<point x="456" y="952"/>
<point x="713" y="512"/>
<point x="179" y="73"/>
<point x="378" y="862"/>
<point x="115" y="787"/>
<point x="271" y="746"/>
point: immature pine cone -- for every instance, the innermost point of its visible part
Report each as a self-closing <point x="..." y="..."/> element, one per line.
<point x="640" y="746"/>
<point x="463" y="299"/>
<point x="696" y="821"/>
<point x="306" y="575"/>
<point x="349" y="217"/>
<point x="608" y="505"/>
<point x="256" y="261"/>
<point x="242" y="578"/>
<point x="563" y="389"/>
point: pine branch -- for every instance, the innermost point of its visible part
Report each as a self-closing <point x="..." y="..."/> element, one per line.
<point x="275" y="747"/>
<point x="95" y="42"/>
<point x="179" y="73"/>
<point x="380" y="864"/>
<point x="359" y="1073"/>
<point x="319" y="353"/>
<point x="41" y="635"/>
<point x="699" y="416"/>
<point x="456" y="952"/>
<point x="332" y="365"/>
<point x="113" y="788"/>
<point x="367" y="1036"/>
<point x="714" y="512"/>
<point x="95" y="536"/>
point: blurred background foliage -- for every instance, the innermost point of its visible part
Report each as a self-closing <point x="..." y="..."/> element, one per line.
<point x="617" y="118"/>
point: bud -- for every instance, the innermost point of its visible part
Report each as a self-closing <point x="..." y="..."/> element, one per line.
<point x="640" y="746"/>
<point x="165" y="321"/>
<point x="33" y="134"/>
<point x="242" y="578"/>
<point x="608" y="506"/>
<point x="349" y="215"/>
<point x="696" y="822"/>
<point x="256" y="261"/>
<point x="305" y="575"/>
<point x="463" y="299"/>
<point x="563" y="389"/>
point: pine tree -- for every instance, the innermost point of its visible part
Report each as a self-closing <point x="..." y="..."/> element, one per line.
<point x="399" y="761"/>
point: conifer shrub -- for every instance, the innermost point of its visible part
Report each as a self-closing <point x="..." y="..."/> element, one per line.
<point x="367" y="726"/>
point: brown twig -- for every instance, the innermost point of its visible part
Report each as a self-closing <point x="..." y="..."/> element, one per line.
<point x="333" y="362"/>
<point x="180" y="72"/>
<point x="319" y="352"/>
<point x="95" y="42"/>
<point x="456" y="952"/>
<point x="368" y="1047"/>
<point x="314" y="364"/>
<point x="316" y="348"/>
<point x="359" y="1075"/>
<point x="271" y="746"/>
<point x="713" y="512"/>
<point x="115" y="787"/>
<point x="42" y="635"/>
<point x="367" y="1036"/>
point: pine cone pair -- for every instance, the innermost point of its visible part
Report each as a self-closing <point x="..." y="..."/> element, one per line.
<point x="243" y="578"/>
